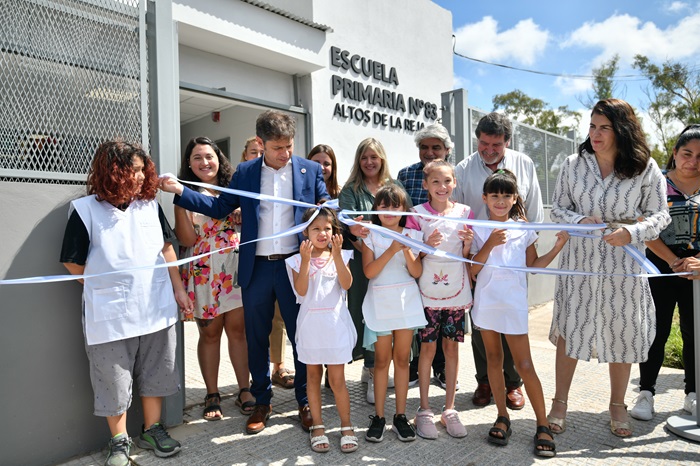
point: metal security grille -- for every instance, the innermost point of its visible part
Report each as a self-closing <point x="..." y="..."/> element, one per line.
<point x="547" y="150"/>
<point x="72" y="74"/>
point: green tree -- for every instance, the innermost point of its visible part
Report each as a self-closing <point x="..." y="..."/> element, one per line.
<point x="604" y="85"/>
<point x="536" y="112"/>
<point x="674" y="98"/>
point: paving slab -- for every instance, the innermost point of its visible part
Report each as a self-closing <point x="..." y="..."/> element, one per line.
<point x="587" y="440"/>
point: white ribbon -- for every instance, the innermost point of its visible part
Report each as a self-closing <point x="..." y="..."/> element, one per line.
<point x="343" y="215"/>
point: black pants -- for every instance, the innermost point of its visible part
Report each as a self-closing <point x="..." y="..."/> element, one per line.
<point x="511" y="375"/>
<point x="667" y="292"/>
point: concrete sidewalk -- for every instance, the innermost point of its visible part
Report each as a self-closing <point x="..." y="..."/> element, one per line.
<point x="587" y="440"/>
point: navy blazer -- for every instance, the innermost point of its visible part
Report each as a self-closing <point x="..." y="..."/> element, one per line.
<point x="307" y="185"/>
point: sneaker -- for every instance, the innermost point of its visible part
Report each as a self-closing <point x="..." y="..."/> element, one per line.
<point x="643" y="406"/>
<point x="366" y="375"/>
<point x="404" y="430"/>
<point x="119" y="447"/>
<point x="690" y="403"/>
<point x="425" y="426"/>
<point x="156" y="438"/>
<point x="450" y="419"/>
<point x="375" y="433"/>
<point x="370" y="390"/>
<point x="440" y="380"/>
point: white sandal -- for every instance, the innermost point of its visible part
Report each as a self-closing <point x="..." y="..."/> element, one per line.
<point x="319" y="440"/>
<point x="348" y="440"/>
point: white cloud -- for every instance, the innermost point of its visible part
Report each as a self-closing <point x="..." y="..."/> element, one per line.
<point x="521" y="44"/>
<point x="676" y="7"/>
<point x="627" y="36"/>
<point x="460" y="82"/>
<point x="572" y="86"/>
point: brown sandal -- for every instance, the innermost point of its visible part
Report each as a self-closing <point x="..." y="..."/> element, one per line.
<point x="284" y="381"/>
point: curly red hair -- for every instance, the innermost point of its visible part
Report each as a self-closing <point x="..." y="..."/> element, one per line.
<point x="111" y="176"/>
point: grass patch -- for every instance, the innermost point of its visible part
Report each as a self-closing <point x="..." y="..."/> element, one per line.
<point x="673" y="354"/>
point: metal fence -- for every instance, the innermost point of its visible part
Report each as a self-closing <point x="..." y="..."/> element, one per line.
<point x="73" y="73"/>
<point x="547" y="150"/>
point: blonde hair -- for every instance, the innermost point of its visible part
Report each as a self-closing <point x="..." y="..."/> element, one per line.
<point x="356" y="178"/>
<point x="245" y="147"/>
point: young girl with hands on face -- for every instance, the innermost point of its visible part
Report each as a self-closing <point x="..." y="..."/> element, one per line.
<point x="392" y="308"/>
<point x="325" y="333"/>
<point x="445" y="289"/>
<point x="496" y="312"/>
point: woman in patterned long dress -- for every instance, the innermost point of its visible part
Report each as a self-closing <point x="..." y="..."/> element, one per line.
<point x="611" y="180"/>
<point x="211" y="280"/>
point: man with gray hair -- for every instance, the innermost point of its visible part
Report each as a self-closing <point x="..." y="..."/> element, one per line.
<point x="433" y="143"/>
<point x="493" y="134"/>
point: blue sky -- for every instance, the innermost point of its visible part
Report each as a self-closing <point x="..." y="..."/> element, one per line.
<point x="567" y="37"/>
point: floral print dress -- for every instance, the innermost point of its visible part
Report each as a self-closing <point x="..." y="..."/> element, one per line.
<point x="212" y="281"/>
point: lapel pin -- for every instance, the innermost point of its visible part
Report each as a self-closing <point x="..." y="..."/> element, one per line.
<point x="303" y="170"/>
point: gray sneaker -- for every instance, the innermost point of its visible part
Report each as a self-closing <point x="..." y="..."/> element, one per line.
<point x="118" y="455"/>
<point x="156" y="438"/>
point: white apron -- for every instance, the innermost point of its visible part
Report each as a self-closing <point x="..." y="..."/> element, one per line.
<point x="500" y="297"/>
<point x="393" y="299"/>
<point x="124" y="305"/>
<point x="325" y="331"/>
<point x="444" y="283"/>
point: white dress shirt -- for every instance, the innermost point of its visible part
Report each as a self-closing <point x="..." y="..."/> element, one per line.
<point x="275" y="217"/>
<point x="471" y="173"/>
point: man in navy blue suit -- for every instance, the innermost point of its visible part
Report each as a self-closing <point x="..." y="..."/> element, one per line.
<point x="262" y="274"/>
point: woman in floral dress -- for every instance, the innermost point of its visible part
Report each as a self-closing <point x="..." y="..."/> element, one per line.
<point x="211" y="281"/>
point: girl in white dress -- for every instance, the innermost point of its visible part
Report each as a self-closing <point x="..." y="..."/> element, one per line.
<point x="392" y="308"/>
<point x="500" y="302"/>
<point x="445" y="291"/>
<point x="325" y="333"/>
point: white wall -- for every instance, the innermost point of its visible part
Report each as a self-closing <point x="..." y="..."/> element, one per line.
<point x="417" y="41"/>
<point x="216" y="72"/>
<point x="540" y="288"/>
<point x="386" y="32"/>
<point x="47" y="399"/>
<point x="237" y="123"/>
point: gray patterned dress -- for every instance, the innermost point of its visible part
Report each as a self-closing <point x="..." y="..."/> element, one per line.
<point x="611" y="318"/>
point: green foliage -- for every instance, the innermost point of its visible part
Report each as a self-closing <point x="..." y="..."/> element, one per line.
<point x="604" y="86"/>
<point x="536" y="112"/>
<point x="673" y="355"/>
<point x="674" y="96"/>
<point x="660" y="154"/>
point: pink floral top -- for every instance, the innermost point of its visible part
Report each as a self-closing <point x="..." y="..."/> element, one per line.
<point x="211" y="281"/>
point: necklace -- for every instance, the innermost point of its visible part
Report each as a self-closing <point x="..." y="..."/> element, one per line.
<point x="687" y="187"/>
